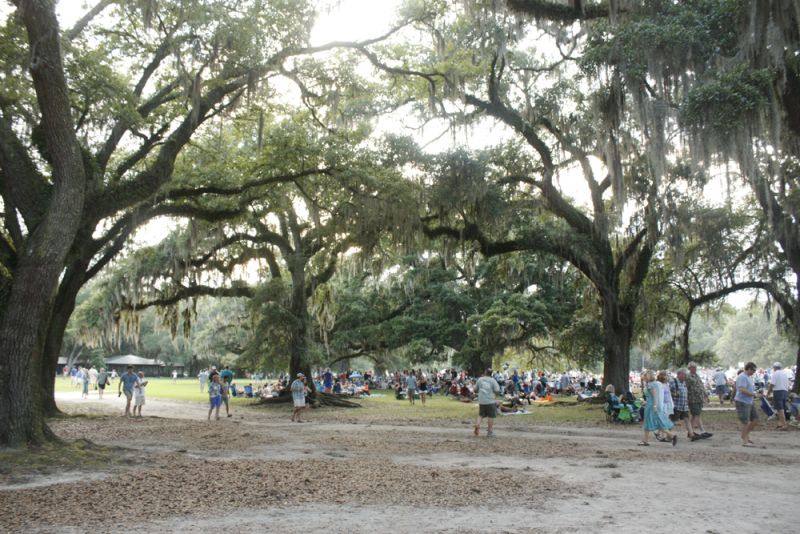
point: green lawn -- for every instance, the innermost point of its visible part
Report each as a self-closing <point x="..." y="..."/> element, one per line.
<point x="157" y="388"/>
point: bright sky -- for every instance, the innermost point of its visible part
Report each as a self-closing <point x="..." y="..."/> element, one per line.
<point x="354" y="20"/>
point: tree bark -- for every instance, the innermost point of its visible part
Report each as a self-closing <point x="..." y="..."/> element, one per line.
<point x="617" y="335"/>
<point x="27" y="311"/>
<point x="64" y="305"/>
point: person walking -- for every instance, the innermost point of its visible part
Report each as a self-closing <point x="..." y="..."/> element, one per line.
<point x="85" y="382"/>
<point x="93" y="377"/>
<point x="680" y="400"/>
<point x="487" y="388"/>
<point x="696" y="396"/>
<point x="139" y="394"/>
<point x="225" y="394"/>
<point x="720" y="385"/>
<point x="411" y="386"/>
<point x="745" y="405"/>
<point x="654" y="418"/>
<point x="127" y="382"/>
<point x="102" y="382"/>
<point x="299" y="389"/>
<point x="203" y="377"/>
<point x="214" y="396"/>
<point x="779" y="388"/>
<point x="422" y="384"/>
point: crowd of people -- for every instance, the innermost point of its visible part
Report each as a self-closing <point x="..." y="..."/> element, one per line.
<point x="89" y="379"/>
<point x="667" y="400"/>
<point x="670" y="400"/>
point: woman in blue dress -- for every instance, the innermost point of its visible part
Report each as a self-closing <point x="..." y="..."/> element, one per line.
<point x="654" y="416"/>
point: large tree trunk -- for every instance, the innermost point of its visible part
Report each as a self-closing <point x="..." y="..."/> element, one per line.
<point x="617" y="335"/>
<point x="62" y="310"/>
<point x="298" y="363"/>
<point x="27" y="312"/>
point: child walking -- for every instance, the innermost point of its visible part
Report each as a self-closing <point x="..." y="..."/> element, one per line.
<point x="214" y="396"/>
<point x="139" y="394"/>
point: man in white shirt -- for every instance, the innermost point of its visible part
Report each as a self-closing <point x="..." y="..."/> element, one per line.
<point x="779" y="388"/>
<point x="721" y="385"/>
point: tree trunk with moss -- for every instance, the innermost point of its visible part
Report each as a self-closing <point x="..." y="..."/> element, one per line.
<point x="28" y="307"/>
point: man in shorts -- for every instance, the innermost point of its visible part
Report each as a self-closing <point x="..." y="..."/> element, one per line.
<point x="745" y="405"/>
<point x="127" y="382"/>
<point x="720" y="385"/>
<point x="696" y="395"/>
<point x="411" y="386"/>
<point x="680" y="398"/>
<point x="102" y="381"/>
<point x="487" y="388"/>
<point x="299" y="389"/>
<point x="779" y="388"/>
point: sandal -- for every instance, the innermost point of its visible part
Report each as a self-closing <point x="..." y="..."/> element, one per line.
<point x="749" y="444"/>
<point x="643" y="444"/>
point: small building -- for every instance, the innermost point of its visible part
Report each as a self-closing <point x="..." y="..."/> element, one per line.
<point x="148" y="366"/>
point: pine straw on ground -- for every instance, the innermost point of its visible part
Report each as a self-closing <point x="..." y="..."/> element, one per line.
<point x="177" y="486"/>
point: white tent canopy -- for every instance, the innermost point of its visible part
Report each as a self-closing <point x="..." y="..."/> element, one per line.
<point x="130" y="359"/>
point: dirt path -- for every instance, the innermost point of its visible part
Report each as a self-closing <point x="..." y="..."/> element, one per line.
<point x="259" y="472"/>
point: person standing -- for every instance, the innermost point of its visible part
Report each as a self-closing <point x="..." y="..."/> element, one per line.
<point x="654" y="417"/>
<point x="680" y="399"/>
<point x="422" y="384"/>
<point x="299" y="389"/>
<point x="84" y="376"/>
<point x="327" y="381"/>
<point x="203" y="377"/>
<point x="696" y="396"/>
<point x="93" y="377"/>
<point x="565" y="382"/>
<point x="720" y="385"/>
<point x="214" y="396"/>
<point x="225" y="394"/>
<point x="411" y="386"/>
<point x="139" y="394"/>
<point x="745" y="405"/>
<point x="127" y="382"/>
<point x="174" y="376"/>
<point x="102" y="382"/>
<point x="779" y="388"/>
<point x="487" y="388"/>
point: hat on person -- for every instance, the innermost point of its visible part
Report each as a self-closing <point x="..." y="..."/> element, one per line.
<point x="777" y="365"/>
<point x="300" y="375"/>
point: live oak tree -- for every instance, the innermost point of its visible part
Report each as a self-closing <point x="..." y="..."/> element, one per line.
<point x="729" y="71"/>
<point x="482" y="65"/>
<point x="436" y="305"/>
<point x="282" y="248"/>
<point x="93" y="121"/>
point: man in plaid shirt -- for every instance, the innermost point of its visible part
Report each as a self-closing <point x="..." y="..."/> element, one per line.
<point x="680" y="398"/>
<point x="697" y="397"/>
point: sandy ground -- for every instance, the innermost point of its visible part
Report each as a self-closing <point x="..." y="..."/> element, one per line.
<point x="259" y="472"/>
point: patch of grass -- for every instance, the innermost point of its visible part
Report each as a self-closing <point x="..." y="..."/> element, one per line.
<point x="158" y="388"/>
